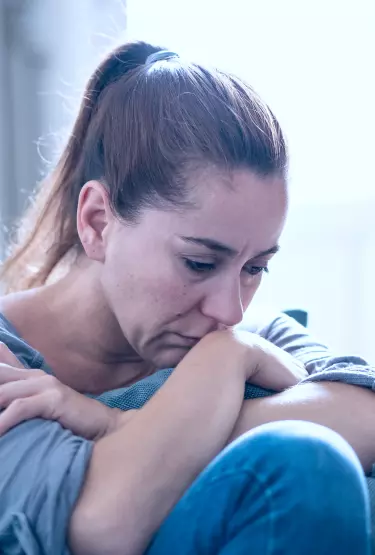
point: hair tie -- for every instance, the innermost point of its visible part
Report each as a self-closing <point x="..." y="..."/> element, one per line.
<point x="161" y="55"/>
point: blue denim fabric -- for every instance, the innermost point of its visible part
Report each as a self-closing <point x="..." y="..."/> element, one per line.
<point x="284" y="488"/>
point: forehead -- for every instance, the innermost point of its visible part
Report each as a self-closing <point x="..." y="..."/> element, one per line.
<point x="241" y="209"/>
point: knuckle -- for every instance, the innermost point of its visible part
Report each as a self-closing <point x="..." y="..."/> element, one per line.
<point x="47" y="378"/>
<point x="48" y="381"/>
<point x="54" y="390"/>
<point x="19" y="405"/>
<point x="37" y="373"/>
<point x="56" y="396"/>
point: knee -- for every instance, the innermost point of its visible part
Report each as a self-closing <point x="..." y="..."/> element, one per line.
<point x="302" y="448"/>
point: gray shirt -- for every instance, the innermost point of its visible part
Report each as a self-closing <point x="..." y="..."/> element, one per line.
<point x="42" y="465"/>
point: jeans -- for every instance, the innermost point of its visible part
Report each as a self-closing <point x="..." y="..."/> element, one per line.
<point x="284" y="488"/>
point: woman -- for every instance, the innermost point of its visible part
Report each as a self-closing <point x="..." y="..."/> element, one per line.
<point x="149" y="241"/>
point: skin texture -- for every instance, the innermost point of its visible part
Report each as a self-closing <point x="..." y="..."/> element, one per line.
<point x="132" y="290"/>
<point x="133" y="294"/>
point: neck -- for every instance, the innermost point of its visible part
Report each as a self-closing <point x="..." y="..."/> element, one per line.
<point x="72" y="326"/>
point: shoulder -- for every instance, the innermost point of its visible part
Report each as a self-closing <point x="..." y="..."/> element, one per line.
<point x="43" y="467"/>
<point x="28" y="356"/>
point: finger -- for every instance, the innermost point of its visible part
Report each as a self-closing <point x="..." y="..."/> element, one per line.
<point x="288" y="359"/>
<point x="298" y="364"/>
<point x="277" y="375"/>
<point x="10" y="374"/>
<point x="20" y="410"/>
<point x="20" y="389"/>
<point x="7" y="357"/>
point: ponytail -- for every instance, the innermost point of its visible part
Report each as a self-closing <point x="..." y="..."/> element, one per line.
<point x="145" y="121"/>
<point x="47" y="233"/>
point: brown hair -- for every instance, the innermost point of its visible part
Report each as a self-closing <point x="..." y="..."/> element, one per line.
<point x="139" y="128"/>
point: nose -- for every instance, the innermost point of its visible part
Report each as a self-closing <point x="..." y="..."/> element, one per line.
<point x="223" y="304"/>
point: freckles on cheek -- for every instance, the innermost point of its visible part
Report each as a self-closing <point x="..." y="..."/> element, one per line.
<point x="178" y="300"/>
<point x="176" y="295"/>
<point x="161" y="293"/>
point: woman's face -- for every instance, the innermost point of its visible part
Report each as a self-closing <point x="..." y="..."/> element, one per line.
<point x="179" y="274"/>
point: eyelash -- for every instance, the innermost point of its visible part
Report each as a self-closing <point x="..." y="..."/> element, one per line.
<point x="206" y="267"/>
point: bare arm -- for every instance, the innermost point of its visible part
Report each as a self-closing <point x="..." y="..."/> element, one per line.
<point x="329" y="396"/>
<point x="322" y="364"/>
<point x="139" y="472"/>
<point x="349" y="410"/>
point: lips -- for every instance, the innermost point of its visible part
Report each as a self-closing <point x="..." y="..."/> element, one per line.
<point x="187" y="341"/>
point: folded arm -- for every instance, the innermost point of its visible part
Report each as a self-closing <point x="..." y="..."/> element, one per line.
<point x="320" y="362"/>
<point x="327" y="396"/>
<point x="346" y="409"/>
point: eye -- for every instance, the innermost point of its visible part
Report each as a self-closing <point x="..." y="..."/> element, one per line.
<point x="255" y="270"/>
<point x="199" y="267"/>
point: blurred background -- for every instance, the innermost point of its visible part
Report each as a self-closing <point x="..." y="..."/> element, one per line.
<point x="311" y="60"/>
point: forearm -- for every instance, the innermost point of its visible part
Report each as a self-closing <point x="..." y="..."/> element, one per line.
<point x="138" y="473"/>
<point x="346" y="409"/>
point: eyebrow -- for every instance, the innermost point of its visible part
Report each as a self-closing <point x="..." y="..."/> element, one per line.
<point x="216" y="246"/>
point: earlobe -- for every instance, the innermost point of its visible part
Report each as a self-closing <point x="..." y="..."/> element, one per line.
<point x="93" y="214"/>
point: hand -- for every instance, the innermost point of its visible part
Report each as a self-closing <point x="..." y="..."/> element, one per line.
<point x="26" y="394"/>
<point x="264" y="364"/>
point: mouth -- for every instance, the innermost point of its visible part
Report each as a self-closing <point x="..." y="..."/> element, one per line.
<point x="186" y="341"/>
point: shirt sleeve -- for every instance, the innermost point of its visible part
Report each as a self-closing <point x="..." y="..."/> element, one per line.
<point x="320" y="362"/>
<point x="42" y="470"/>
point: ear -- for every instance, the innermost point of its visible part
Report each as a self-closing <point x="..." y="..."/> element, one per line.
<point x="93" y="217"/>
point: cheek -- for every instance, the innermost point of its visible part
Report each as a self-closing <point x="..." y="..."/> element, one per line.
<point x="250" y="290"/>
<point x="152" y="284"/>
<point x="172" y="299"/>
<point x="162" y="293"/>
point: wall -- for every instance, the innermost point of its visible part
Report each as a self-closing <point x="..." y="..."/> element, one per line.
<point x="47" y="52"/>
